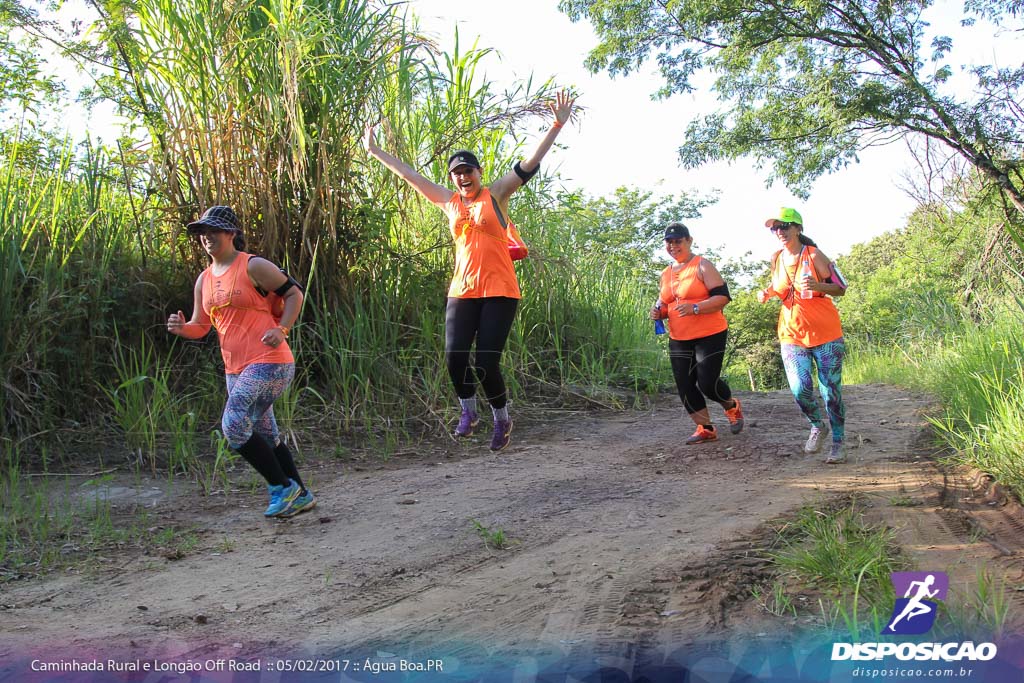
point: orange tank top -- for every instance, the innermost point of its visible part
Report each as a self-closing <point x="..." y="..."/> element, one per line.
<point x="483" y="266"/>
<point x="685" y="287"/>
<point x="241" y="315"/>
<point x="804" y="322"/>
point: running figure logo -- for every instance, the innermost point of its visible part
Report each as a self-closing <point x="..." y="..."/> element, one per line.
<point x="915" y="612"/>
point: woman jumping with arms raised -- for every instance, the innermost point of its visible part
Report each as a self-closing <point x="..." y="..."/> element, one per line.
<point x="484" y="291"/>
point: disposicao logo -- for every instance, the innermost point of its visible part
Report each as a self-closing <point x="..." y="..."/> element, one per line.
<point x="912" y="615"/>
<point x="915" y="612"/>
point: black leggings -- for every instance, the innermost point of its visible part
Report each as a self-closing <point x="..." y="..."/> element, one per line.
<point x="489" y="321"/>
<point x="696" y="365"/>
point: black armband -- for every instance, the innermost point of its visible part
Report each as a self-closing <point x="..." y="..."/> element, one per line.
<point x="525" y="175"/>
<point x="289" y="283"/>
<point x="720" y="290"/>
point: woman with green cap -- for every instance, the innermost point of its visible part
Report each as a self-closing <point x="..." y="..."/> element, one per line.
<point x="805" y="280"/>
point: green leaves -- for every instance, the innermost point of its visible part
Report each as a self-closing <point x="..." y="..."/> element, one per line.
<point x="805" y="84"/>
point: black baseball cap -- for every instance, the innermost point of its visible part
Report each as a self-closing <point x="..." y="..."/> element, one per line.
<point x="675" y="231"/>
<point x="462" y="158"/>
<point x="217" y="218"/>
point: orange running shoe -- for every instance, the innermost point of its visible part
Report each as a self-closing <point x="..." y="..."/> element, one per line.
<point x="735" y="416"/>
<point x="702" y="434"/>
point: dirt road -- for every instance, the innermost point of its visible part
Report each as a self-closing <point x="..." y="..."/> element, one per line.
<point x="623" y="540"/>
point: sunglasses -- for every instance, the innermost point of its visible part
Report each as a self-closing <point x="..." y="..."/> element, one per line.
<point x="781" y="227"/>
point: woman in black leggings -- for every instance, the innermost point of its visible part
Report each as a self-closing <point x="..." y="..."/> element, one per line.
<point x="484" y="292"/>
<point x="692" y="297"/>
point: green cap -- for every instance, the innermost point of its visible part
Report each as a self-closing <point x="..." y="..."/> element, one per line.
<point x="786" y="215"/>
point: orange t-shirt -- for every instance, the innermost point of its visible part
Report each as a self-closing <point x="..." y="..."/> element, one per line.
<point x="483" y="266"/>
<point x="804" y="322"/>
<point x="685" y="287"/>
<point x="241" y="315"/>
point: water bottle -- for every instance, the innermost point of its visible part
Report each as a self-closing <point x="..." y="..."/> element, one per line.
<point x="806" y="274"/>
<point x="659" y="324"/>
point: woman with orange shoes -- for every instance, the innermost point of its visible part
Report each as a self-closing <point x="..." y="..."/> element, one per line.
<point x="693" y="295"/>
<point x="809" y="329"/>
<point x="484" y="291"/>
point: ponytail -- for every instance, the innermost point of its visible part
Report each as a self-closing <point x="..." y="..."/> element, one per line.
<point x="805" y="240"/>
<point x="238" y="241"/>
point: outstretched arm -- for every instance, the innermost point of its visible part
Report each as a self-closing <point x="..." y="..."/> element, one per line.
<point x="433" y="192"/>
<point x="503" y="188"/>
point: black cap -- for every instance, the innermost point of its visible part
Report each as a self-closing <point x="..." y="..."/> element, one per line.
<point x="218" y="218"/>
<point x="462" y="158"/>
<point x="676" y="230"/>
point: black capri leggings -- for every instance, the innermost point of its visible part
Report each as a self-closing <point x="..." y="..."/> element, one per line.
<point x="489" y="321"/>
<point x="697" y="366"/>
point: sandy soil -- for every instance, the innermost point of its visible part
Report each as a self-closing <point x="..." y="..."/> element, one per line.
<point x="624" y="542"/>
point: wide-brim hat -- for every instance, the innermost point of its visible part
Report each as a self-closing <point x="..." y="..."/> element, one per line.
<point x="216" y="217"/>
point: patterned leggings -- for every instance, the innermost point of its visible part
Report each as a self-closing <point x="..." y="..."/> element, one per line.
<point x="250" y="406"/>
<point x="799" y="362"/>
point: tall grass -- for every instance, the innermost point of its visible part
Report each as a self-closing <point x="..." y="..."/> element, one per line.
<point x="261" y="105"/>
<point x="977" y="372"/>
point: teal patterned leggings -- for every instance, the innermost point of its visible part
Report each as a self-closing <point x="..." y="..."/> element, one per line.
<point x="250" y="406"/>
<point x="799" y="362"/>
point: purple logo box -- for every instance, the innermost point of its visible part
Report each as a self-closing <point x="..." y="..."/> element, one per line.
<point x="939" y="582"/>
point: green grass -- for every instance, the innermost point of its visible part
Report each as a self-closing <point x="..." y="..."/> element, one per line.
<point x="51" y="522"/>
<point x="775" y="601"/>
<point x="833" y="550"/>
<point x="981" y="611"/>
<point x="977" y="373"/>
<point x="494" y="538"/>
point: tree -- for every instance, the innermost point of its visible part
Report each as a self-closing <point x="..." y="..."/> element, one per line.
<point x="807" y="84"/>
<point x="23" y="85"/>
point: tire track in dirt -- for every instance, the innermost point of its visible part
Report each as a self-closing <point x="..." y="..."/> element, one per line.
<point x="625" y="540"/>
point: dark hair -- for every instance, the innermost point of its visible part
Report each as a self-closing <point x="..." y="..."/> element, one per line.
<point x="804" y="239"/>
<point x="462" y="157"/>
<point x="238" y="241"/>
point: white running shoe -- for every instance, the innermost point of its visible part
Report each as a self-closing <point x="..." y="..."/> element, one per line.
<point x="817" y="435"/>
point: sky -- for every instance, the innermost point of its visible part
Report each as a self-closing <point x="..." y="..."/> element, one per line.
<point x="626" y="138"/>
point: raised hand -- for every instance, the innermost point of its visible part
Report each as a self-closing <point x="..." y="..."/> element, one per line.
<point x="562" y="106"/>
<point x="370" y="139"/>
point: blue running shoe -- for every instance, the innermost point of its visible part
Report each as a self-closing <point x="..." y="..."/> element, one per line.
<point x="305" y="501"/>
<point x="281" y="497"/>
<point x="275" y="500"/>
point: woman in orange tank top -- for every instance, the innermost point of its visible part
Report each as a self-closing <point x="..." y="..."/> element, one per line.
<point x="692" y="297"/>
<point x="484" y="291"/>
<point x="232" y="295"/>
<point x="810" y="333"/>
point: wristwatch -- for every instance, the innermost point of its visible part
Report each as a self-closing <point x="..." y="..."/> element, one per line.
<point x="696" y="309"/>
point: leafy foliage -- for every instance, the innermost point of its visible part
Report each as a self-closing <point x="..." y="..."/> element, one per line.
<point x="807" y="84"/>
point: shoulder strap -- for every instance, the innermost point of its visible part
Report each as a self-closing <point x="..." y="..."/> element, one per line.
<point x="497" y="211"/>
